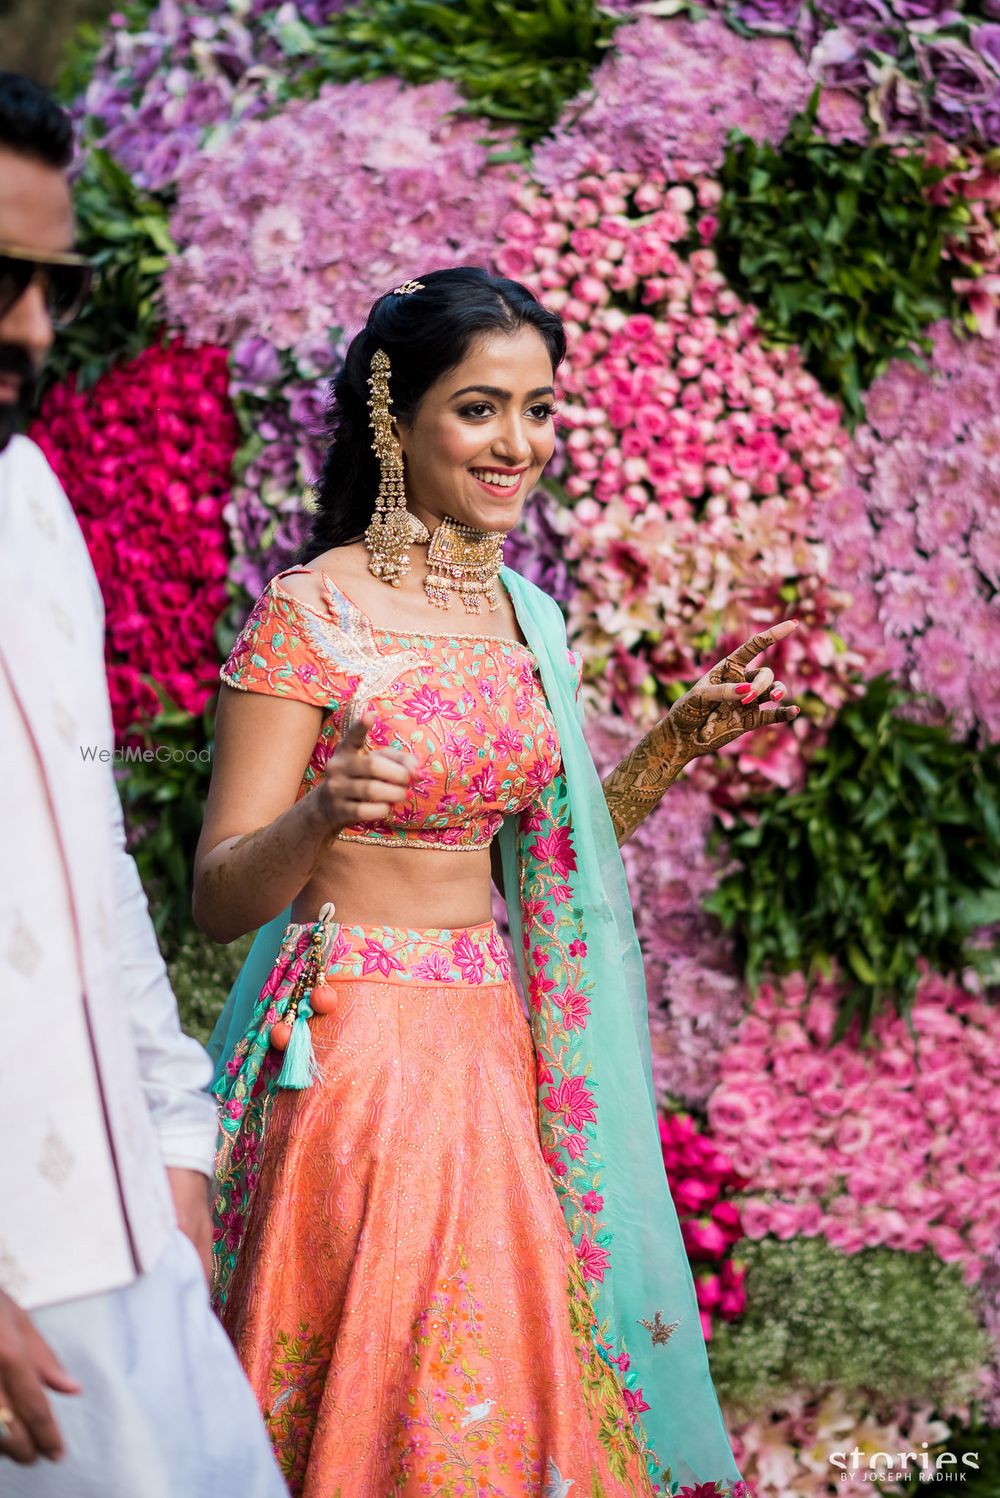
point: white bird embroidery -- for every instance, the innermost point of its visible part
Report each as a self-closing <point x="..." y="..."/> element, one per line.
<point x="477" y="1412"/>
<point x="346" y="638"/>
<point x="556" y="1486"/>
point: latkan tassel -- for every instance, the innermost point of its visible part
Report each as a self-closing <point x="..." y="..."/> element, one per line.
<point x="300" y="1068"/>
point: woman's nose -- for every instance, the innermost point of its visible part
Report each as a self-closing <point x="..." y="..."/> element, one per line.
<point x="513" y="443"/>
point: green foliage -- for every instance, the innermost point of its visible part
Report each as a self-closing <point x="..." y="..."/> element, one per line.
<point x="202" y="973"/>
<point x="890" y="852"/>
<point x="125" y="233"/>
<point x="839" y="248"/>
<point x="883" y="1326"/>
<point x="169" y="766"/>
<point x="515" y="61"/>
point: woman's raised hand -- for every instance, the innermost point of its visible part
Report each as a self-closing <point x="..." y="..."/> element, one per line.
<point x="361" y="786"/>
<point x="733" y="698"/>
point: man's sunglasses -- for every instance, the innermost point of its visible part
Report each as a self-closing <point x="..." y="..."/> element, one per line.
<point x="65" y="280"/>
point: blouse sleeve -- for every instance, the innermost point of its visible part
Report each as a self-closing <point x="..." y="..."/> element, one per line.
<point x="277" y="653"/>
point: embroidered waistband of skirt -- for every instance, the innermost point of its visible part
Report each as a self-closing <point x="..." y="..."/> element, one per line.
<point x="401" y="954"/>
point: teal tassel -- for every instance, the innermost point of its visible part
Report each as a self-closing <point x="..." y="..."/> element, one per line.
<point x="300" y="1068"/>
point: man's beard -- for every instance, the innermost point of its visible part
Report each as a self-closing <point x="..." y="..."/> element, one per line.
<point x="15" y="414"/>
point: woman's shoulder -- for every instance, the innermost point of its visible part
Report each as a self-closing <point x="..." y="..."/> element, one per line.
<point x="306" y="580"/>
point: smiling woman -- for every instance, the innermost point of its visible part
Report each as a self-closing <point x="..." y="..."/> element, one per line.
<point x="411" y="1297"/>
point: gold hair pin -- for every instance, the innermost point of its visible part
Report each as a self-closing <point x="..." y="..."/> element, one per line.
<point x="408" y="286"/>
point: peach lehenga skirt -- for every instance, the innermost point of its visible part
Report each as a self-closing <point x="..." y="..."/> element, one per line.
<point x="407" y="1302"/>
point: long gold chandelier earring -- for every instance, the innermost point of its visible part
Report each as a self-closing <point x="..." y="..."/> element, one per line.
<point x="465" y="561"/>
<point x="392" y="529"/>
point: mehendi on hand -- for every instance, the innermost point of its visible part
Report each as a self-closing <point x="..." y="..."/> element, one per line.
<point x="729" y="700"/>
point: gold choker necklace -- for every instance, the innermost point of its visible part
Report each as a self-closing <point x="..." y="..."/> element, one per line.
<point x="460" y="559"/>
<point x="463" y="560"/>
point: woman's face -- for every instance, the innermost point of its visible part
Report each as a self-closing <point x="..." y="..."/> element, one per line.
<point x="482" y="434"/>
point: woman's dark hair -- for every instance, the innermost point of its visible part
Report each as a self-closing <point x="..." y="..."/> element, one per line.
<point x="425" y="334"/>
<point x="33" y="123"/>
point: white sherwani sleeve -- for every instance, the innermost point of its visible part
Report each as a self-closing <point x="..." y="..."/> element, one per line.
<point x="175" y="1069"/>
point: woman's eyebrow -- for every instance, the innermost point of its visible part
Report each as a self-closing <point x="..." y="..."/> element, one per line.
<point x="502" y="394"/>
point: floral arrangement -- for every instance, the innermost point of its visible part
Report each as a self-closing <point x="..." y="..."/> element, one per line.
<point x="849" y="250"/>
<point x="972" y="180"/>
<point x="672" y="90"/>
<point x="915" y="66"/>
<point x="891" y="1145"/>
<point x="412" y="184"/>
<point x="280" y="400"/>
<point x="702" y="1181"/>
<point x="706" y="480"/>
<point x="145" y="458"/>
<point x="697" y="997"/>
<point x="155" y="90"/>
<point x="786" y="1454"/>
<point x="694" y="455"/>
<point x="882" y="1326"/>
<point x="916" y="526"/>
<point x="807" y="885"/>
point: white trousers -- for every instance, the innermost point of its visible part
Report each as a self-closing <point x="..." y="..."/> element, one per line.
<point x="165" y="1412"/>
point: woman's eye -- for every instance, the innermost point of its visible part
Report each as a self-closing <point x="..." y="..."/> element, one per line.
<point x="482" y="408"/>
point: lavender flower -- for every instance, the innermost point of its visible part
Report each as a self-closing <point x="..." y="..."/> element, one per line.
<point x="411" y="184"/>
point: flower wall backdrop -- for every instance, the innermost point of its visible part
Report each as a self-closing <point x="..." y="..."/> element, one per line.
<point x="773" y="231"/>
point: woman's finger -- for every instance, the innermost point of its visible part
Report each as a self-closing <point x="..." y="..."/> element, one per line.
<point x="370" y="811"/>
<point x="778" y="690"/>
<point x="380" y="767"/>
<point x="727" y="691"/>
<point x="372" y="788"/>
<point x="745" y="653"/>
<point x="761" y="683"/>
<point x="777" y="712"/>
<point x="403" y="757"/>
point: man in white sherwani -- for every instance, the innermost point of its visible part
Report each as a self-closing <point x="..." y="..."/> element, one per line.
<point x="116" y="1381"/>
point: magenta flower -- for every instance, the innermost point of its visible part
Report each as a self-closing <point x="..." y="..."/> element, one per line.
<point x="469" y="959"/>
<point x="376" y="958"/>
<point x="574" y="1101"/>
<point x="145" y="457"/>
<point x="556" y="847"/>
<point x="594" y="1260"/>
<point x="427" y="703"/>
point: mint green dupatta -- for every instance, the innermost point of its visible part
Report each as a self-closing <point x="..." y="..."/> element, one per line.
<point x="570" y="917"/>
<point x="582" y="969"/>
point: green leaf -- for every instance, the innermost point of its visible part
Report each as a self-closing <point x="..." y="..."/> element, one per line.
<point x="886" y="856"/>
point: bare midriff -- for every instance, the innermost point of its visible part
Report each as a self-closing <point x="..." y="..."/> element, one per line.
<point x="372" y="885"/>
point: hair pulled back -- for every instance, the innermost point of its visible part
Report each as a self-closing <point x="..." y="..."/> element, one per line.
<point x="425" y="333"/>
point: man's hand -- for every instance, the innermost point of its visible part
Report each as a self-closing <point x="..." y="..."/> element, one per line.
<point x="192" y="1194"/>
<point x="28" y="1366"/>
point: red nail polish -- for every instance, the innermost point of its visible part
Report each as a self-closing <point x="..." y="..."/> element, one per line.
<point x="744" y="693"/>
<point x="778" y="694"/>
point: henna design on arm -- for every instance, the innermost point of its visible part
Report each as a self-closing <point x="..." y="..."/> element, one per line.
<point x="721" y="706"/>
